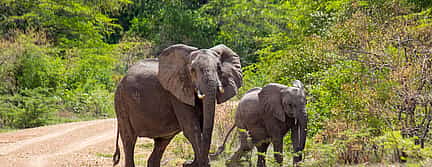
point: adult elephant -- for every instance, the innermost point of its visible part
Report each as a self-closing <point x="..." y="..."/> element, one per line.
<point x="178" y="92"/>
<point x="267" y="114"/>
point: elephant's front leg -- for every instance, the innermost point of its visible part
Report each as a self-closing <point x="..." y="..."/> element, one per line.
<point x="278" y="148"/>
<point x="190" y="134"/>
<point x="262" y="150"/>
<point x="190" y="125"/>
<point x="192" y="131"/>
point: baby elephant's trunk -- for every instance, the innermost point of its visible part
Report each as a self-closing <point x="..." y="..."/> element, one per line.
<point x="222" y="147"/>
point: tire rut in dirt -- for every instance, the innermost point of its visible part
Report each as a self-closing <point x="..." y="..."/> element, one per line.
<point x="57" y="131"/>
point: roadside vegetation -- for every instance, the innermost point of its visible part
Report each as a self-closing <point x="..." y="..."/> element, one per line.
<point x="366" y="64"/>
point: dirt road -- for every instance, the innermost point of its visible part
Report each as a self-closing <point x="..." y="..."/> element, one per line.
<point x="88" y="143"/>
<point x="91" y="143"/>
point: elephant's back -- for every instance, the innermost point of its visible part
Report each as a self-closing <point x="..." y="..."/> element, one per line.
<point x="140" y="77"/>
<point x="142" y="97"/>
<point x="248" y="111"/>
<point x="144" y="67"/>
<point x="250" y="100"/>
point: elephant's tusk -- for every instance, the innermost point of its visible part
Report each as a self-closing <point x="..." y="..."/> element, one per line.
<point x="200" y="95"/>
<point x="298" y="131"/>
<point x="221" y="89"/>
<point x="295" y="121"/>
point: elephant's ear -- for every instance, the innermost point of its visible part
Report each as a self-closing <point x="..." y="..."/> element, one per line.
<point x="270" y="99"/>
<point x="174" y="74"/>
<point x="230" y="72"/>
<point x="298" y="84"/>
<point x="301" y="93"/>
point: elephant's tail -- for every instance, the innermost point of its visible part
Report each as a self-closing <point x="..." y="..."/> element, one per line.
<point x="222" y="147"/>
<point x="116" y="156"/>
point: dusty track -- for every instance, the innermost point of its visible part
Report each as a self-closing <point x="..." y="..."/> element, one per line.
<point x="91" y="143"/>
<point x="73" y="144"/>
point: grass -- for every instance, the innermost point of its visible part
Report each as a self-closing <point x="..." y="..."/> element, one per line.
<point x="62" y="117"/>
<point x="66" y="117"/>
<point x="141" y="159"/>
<point x="104" y="155"/>
<point x="4" y="130"/>
<point x="145" y="146"/>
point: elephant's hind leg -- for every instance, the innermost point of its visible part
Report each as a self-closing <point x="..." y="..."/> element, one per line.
<point x="245" y="147"/>
<point x="128" y="139"/>
<point x="158" y="150"/>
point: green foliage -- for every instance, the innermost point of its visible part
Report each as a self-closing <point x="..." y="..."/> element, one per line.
<point x="318" y="154"/>
<point x="69" y="23"/>
<point x="328" y="93"/>
<point x="28" y="108"/>
<point x="97" y="102"/>
<point x="421" y="4"/>
<point x="393" y="142"/>
<point x="26" y="65"/>
<point x="184" y="149"/>
<point x="170" y="22"/>
<point x="92" y="67"/>
<point x="41" y="80"/>
<point x="37" y="69"/>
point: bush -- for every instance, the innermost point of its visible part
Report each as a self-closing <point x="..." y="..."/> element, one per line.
<point x="97" y="102"/>
<point x="76" y="80"/>
<point x="90" y="66"/>
<point x="319" y="154"/>
<point x="35" y="68"/>
<point x="28" y="108"/>
<point x="393" y="147"/>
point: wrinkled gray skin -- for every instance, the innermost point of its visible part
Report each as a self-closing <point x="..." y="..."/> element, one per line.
<point x="178" y="92"/>
<point x="268" y="114"/>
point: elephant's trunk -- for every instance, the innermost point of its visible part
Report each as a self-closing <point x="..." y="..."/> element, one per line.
<point x="299" y="133"/>
<point x="209" y="103"/>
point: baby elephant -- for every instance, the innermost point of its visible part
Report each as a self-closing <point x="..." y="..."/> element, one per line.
<point x="267" y="114"/>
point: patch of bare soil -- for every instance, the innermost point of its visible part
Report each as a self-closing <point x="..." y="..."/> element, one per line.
<point x="71" y="144"/>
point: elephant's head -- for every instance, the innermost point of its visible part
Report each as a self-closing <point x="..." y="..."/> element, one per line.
<point x="211" y="75"/>
<point x="288" y="103"/>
